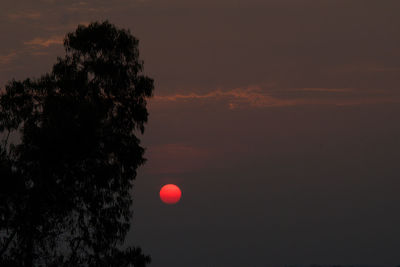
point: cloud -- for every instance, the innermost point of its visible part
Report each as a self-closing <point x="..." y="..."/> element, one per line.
<point x="5" y="59"/>
<point x="327" y="90"/>
<point x="366" y="67"/>
<point x="53" y="40"/>
<point x="39" y="53"/>
<point x="25" y="15"/>
<point x="88" y="7"/>
<point x="257" y="97"/>
<point x="253" y="96"/>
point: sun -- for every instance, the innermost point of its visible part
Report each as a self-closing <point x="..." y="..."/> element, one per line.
<point x="170" y="194"/>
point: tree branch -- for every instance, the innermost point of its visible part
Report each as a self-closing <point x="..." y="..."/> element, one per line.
<point x="7" y="243"/>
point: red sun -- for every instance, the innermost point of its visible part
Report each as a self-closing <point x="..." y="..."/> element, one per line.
<point x="170" y="194"/>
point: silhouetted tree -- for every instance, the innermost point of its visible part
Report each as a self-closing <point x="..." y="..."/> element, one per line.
<point x="65" y="184"/>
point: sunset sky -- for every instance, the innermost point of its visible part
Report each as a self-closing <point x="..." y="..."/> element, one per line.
<point x="278" y="119"/>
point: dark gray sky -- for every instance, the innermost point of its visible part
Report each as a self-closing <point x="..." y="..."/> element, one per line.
<point x="279" y="120"/>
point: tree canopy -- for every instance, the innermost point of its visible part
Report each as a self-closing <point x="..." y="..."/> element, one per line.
<point x="65" y="183"/>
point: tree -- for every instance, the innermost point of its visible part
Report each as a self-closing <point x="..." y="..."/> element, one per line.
<point x="65" y="184"/>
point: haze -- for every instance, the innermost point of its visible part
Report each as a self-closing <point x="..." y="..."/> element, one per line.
<point x="279" y="120"/>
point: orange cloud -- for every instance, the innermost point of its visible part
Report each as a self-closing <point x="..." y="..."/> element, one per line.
<point x="255" y="96"/>
<point x="83" y="6"/>
<point x="5" y="59"/>
<point x="25" y="15"/>
<point x="53" y="40"/>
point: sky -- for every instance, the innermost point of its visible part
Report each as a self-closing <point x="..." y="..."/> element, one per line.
<point x="278" y="119"/>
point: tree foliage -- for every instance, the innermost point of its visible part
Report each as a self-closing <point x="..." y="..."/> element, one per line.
<point x="65" y="184"/>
